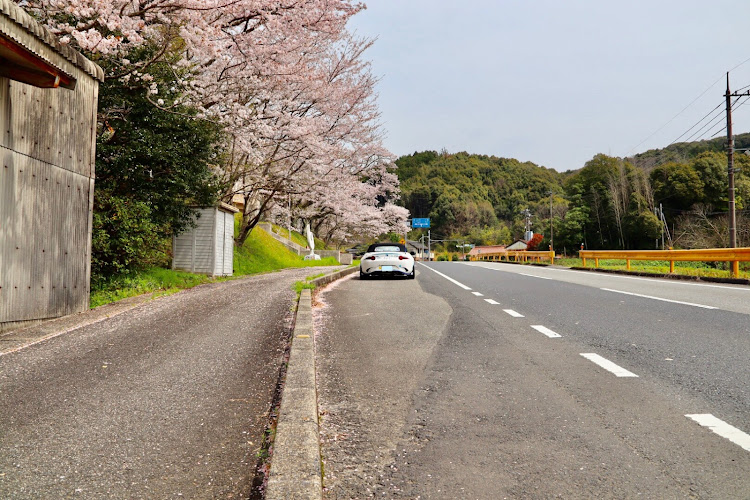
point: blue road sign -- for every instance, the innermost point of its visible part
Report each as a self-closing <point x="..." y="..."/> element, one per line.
<point x="415" y="223"/>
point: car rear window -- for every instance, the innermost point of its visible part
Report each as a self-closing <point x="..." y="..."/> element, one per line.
<point x="391" y="247"/>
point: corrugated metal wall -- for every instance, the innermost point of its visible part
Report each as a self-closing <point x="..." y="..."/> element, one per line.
<point x="47" y="147"/>
<point x="194" y="249"/>
<point x="209" y="247"/>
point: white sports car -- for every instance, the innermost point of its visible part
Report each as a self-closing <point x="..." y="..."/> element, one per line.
<point x="387" y="259"/>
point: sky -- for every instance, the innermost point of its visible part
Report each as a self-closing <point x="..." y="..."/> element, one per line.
<point x="554" y="82"/>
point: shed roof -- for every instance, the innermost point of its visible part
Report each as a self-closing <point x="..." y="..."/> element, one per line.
<point x="10" y="10"/>
<point x="518" y="245"/>
<point x="228" y="208"/>
<point x="417" y="245"/>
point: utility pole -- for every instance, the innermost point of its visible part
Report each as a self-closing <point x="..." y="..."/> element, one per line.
<point x="730" y="170"/>
<point x="730" y="165"/>
<point x="551" y="233"/>
<point x="527" y="221"/>
<point x="661" y="222"/>
<point x="429" y="241"/>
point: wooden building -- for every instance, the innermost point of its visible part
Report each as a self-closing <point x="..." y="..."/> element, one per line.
<point x="207" y="248"/>
<point x="48" y="105"/>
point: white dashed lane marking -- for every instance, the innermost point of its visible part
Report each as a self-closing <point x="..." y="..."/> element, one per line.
<point x="608" y="365"/>
<point x="478" y="294"/>
<point x="513" y="313"/>
<point x="490" y="301"/>
<point x="723" y="429"/>
<point x="546" y="331"/>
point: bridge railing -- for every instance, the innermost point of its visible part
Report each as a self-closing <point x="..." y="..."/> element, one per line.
<point x="515" y="256"/>
<point x="733" y="255"/>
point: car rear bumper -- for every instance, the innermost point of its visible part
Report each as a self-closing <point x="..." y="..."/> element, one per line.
<point x="386" y="270"/>
<point x="388" y="273"/>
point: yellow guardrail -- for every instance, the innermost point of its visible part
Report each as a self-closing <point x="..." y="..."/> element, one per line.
<point x="733" y="255"/>
<point x="516" y="256"/>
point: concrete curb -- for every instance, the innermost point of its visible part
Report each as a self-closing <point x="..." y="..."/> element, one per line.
<point x="296" y="463"/>
<point x="324" y="280"/>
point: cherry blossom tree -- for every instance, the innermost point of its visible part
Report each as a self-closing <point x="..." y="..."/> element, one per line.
<point x="284" y="78"/>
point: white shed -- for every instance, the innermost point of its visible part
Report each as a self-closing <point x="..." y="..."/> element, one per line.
<point x="207" y="248"/>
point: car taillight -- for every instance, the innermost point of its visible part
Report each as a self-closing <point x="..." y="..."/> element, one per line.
<point x="401" y="257"/>
<point x="371" y="257"/>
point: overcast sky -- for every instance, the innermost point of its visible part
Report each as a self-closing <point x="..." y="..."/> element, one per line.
<point x="552" y="81"/>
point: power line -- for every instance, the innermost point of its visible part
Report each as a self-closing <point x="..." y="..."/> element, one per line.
<point x="697" y="123"/>
<point x="740" y="64"/>
<point x="724" y="127"/>
<point x="721" y="131"/>
<point x="719" y="118"/>
<point x="686" y="107"/>
<point x="682" y="111"/>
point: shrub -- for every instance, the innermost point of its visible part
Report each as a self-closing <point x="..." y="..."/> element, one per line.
<point x="124" y="236"/>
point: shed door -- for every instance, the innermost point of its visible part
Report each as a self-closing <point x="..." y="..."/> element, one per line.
<point x="228" y="244"/>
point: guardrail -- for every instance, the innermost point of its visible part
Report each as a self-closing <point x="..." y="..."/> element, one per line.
<point x="733" y="255"/>
<point x="516" y="255"/>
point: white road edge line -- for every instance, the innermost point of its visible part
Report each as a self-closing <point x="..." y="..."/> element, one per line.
<point x="723" y="429"/>
<point x="446" y="277"/>
<point x="513" y="313"/>
<point x="608" y="365"/>
<point x="490" y="301"/>
<point x="478" y="294"/>
<point x="546" y="331"/>
<point x="659" y="298"/>
<point x="620" y="276"/>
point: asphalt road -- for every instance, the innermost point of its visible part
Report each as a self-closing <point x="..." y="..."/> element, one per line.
<point x="502" y="403"/>
<point x="168" y="400"/>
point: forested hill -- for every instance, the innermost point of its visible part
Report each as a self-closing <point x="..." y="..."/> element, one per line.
<point x="685" y="151"/>
<point x="608" y="203"/>
<point x="462" y="192"/>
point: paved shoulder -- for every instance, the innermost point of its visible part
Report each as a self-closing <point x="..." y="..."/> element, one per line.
<point x="165" y="400"/>
<point x="370" y="363"/>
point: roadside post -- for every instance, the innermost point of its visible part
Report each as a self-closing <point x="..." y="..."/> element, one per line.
<point x="423" y="223"/>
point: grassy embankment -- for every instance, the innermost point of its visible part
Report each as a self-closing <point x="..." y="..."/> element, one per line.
<point x="297" y="238"/>
<point x="260" y="253"/>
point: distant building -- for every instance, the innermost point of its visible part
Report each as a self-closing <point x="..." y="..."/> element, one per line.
<point x="479" y="250"/>
<point x="518" y="245"/>
<point x="48" y="105"/>
<point x="419" y="249"/>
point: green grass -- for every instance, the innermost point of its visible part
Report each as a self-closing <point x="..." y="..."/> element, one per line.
<point x="156" y="279"/>
<point x="302" y="285"/>
<point x="703" y="269"/>
<point x="261" y="253"/>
